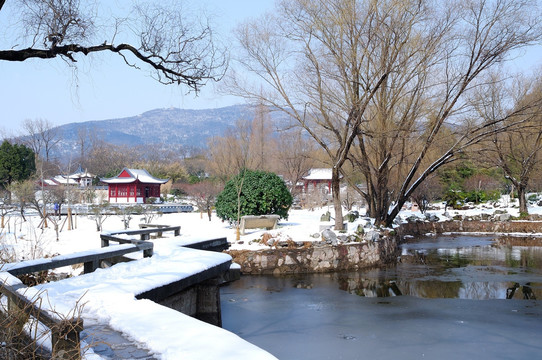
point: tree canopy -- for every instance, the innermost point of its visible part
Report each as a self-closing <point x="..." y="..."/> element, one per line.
<point x="257" y="193"/>
<point x="17" y="163"/>
<point x="387" y="86"/>
<point x="177" y="47"/>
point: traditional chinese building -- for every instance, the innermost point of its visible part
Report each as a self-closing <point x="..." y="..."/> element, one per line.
<point x="317" y="179"/>
<point x="133" y="186"/>
<point x="82" y="177"/>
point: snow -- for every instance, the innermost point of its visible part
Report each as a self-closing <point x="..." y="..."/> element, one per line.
<point x="108" y="295"/>
<point x="318" y="174"/>
<point x="136" y="174"/>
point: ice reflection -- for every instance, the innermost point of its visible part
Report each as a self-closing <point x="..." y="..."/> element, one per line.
<point x="313" y="316"/>
<point x="461" y="267"/>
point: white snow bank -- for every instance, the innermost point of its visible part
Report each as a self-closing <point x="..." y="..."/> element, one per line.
<point x="109" y="294"/>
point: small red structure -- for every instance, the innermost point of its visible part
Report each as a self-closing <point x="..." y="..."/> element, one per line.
<point x="317" y="179"/>
<point x="133" y="186"/>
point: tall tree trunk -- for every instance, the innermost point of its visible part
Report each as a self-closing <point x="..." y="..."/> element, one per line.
<point x="522" y="200"/>
<point x="336" y="194"/>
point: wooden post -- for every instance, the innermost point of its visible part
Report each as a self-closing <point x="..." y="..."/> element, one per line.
<point x="90" y="266"/>
<point x="19" y="316"/>
<point x="70" y="218"/>
<point x="65" y="340"/>
<point x="44" y="216"/>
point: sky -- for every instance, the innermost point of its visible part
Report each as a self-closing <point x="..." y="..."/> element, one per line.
<point x="104" y="87"/>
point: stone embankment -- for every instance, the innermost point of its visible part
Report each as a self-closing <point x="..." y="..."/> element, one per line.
<point x="373" y="249"/>
<point x="317" y="258"/>
<point x="470" y="226"/>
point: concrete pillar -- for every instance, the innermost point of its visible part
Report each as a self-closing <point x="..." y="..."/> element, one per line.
<point x="208" y="302"/>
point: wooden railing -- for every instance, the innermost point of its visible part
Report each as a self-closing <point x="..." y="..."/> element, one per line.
<point x="65" y="334"/>
<point x="65" y="338"/>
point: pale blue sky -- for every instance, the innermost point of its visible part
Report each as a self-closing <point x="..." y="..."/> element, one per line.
<point x="105" y="87"/>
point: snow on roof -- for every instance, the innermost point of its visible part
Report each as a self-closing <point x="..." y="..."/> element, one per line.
<point x="49" y="182"/>
<point x="109" y="294"/>
<point x="134" y="174"/>
<point x="80" y="173"/>
<point x="64" y="180"/>
<point x="319" y="174"/>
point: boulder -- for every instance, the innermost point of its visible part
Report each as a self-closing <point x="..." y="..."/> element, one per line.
<point x="412" y="219"/>
<point x="502" y="217"/>
<point x="372" y="236"/>
<point x="328" y="236"/>
<point x="431" y="217"/>
<point x="325" y="217"/>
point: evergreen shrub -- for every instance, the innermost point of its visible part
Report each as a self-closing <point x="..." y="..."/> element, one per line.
<point x="260" y="193"/>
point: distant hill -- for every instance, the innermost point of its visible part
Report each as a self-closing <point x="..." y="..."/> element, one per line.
<point x="171" y="128"/>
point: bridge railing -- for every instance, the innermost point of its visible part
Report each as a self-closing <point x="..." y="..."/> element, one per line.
<point x="65" y="332"/>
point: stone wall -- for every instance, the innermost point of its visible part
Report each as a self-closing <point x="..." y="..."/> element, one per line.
<point x="314" y="259"/>
<point x="472" y="226"/>
<point x="354" y="256"/>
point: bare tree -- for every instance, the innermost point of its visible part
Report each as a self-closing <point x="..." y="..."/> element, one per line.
<point x="41" y="136"/>
<point x="230" y="153"/>
<point x="392" y="77"/>
<point x="177" y="48"/>
<point x="310" y="58"/>
<point x="294" y="156"/>
<point x="262" y="142"/>
<point x="516" y="145"/>
<point x="204" y="194"/>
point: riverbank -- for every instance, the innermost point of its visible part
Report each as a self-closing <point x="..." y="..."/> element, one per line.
<point x="379" y="249"/>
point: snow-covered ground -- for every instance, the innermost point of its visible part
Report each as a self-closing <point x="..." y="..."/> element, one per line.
<point x="114" y="302"/>
<point x="28" y="241"/>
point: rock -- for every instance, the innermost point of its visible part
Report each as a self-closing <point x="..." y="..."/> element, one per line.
<point x="360" y="230"/>
<point x="458" y="217"/>
<point x="326" y="217"/>
<point x="502" y="217"/>
<point x="431" y="217"/>
<point x="372" y="236"/>
<point x="412" y="219"/>
<point x="498" y="212"/>
<point x="315" y="235"/>
<point x="352" y="238"/>
<point x="352" y="216"/>
<point x="485" y="216"/>
<point x="328" y="236"/>
<point x="447" y="215"/>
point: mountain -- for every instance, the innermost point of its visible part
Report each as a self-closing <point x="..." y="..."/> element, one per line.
<point x="171" y="128"/>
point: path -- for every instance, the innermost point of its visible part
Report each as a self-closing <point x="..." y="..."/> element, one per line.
<point x="112" y="344"/>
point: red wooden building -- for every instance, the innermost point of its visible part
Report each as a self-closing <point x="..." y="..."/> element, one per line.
<point x="317" y="179"/>
<point x="133" y="186"/>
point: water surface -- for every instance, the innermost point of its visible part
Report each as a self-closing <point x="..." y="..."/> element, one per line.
<point x="446" y="299"/>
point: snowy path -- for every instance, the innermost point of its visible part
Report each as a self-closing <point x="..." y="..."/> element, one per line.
<point x="108" y="297"/>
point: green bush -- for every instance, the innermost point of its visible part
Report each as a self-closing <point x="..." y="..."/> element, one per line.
<point x="454" y="198"/>
<point x="480" y="196"/>
<point x="262" y="193"/>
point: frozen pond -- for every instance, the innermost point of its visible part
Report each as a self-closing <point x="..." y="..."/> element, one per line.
<point x="449" y="298"/>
